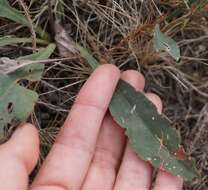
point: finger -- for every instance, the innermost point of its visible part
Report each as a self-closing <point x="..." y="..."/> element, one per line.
<point x="134" y="173"/>
<point x="110" y="145"/>
<point x="68" y="162"/>
<point x="134" y="78"/>
<point x="155" y="99"/>
<point x="18" y="157"/>
<point x="102" y="171"/>
<point x="165" y="179"/>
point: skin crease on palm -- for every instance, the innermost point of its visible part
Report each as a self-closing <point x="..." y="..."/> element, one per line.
<point x="91" y="150"/>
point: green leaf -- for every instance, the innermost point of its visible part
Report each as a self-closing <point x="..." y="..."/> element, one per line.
<point x="33" y="72"/>
<point x="149" y="133"/>
<point x="87" y="55"/>
<point x="10" y="40"/>
<point x="17" y="102"/>
<point x="163" y="42"/>
<point x="6" y="11"/>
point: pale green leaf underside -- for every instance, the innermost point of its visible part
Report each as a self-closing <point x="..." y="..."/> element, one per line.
<point x="163" y="42"/>
<point x="17" y="102"/>
<point x="149" y="133"/>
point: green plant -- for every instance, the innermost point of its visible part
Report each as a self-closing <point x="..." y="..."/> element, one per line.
<point x="149" y="133"/>
<point x="17" y="102"/>
<point x="10" y="40"/>
<point x="163" y="42"/>
<point x="6" y="11"/>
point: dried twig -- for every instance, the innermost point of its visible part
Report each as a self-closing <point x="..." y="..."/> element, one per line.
<point x="32" y="30"/>
<point x="8" y="66"/>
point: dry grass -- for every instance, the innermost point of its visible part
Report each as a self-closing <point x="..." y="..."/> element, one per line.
<point x="120" y="32"/>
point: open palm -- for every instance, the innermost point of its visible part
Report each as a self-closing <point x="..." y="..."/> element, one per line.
<point x="91" y="151"/>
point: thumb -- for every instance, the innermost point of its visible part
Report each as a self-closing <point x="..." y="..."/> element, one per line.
<point x="18" y="157"/>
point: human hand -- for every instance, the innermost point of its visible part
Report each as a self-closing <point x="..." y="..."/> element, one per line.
<point x="90" y="152"/>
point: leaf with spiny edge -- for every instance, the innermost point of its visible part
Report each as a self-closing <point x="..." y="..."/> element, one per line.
<point x="149" y="133"/>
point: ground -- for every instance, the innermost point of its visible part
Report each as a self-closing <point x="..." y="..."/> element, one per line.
<point x="120" y="32"/>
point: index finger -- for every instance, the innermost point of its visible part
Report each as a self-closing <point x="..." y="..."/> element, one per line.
<point x="66" y="165"/>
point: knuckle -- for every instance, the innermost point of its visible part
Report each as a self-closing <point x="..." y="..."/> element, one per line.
<point x="75" y="143"/>
<point x="105" y="158"/>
